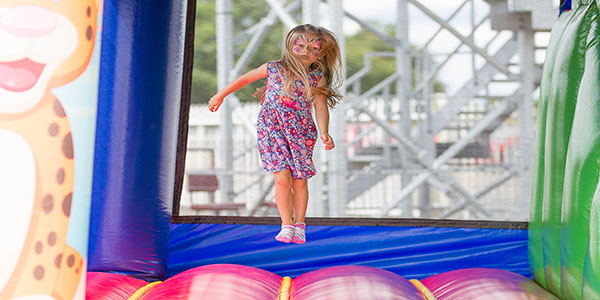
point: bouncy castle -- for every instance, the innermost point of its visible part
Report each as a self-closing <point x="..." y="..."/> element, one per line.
<point x="91" y="118"/>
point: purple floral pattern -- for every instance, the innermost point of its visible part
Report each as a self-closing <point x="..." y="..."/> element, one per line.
<point x="286" y="131"/>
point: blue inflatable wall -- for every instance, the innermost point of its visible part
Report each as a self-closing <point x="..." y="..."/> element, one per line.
<point x="138" y="117"/>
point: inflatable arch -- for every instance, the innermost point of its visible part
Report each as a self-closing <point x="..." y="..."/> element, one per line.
<point x="125" y="99"/>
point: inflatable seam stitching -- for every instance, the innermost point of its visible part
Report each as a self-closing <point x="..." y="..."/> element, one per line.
<point x="423" y="289"/>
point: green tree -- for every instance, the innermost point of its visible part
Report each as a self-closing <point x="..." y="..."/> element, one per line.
<point x="357" y="45"/>
<point x="245" y="14"/>
<point x="363" y="41"/>
<point x="204" y="78"/>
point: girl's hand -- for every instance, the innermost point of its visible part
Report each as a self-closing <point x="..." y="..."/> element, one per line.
<point x="327" y="141"/>
<point x="214" y="103"/>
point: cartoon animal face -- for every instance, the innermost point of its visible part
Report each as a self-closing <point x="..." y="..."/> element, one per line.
<point x="43" y="44"/>
<point x="49" y="43"/>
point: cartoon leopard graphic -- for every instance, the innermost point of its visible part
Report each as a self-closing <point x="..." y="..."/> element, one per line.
<point x="44" y="44"/>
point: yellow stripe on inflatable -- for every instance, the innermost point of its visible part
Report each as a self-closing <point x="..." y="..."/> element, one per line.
<point x="143" y="291"/>
<point x="423" y="289"/>
<point x="286" y="286"/>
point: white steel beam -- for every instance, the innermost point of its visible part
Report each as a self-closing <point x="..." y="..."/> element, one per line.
<point x="469" y="89"/>
<point x="367" y="66"/>
<point x="317" y="206"/>
<point x="283" y="15"/>
<point x="506" y="106"/>
<point x="336" y="159"/>
<point x="502" y="68"/>
<point x="464" y="204"/>
<point x="526" y="118"/>
<point x="447" y="21"/>
<point x="224" y="23"/>
<point x="390" y="41"/>
<point x="469" y="203"/>
<point x="310" y="12"/>
<point x="432" y="74"/>
<point x="421" y="156"/>
<point x="260" y="33"/>
<point x="403" y="83"/>
<point x="261" y="199"/>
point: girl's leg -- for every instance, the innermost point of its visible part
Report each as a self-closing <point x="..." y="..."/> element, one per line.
<point x="300" y="193"/>
<point x="283" y="196"/>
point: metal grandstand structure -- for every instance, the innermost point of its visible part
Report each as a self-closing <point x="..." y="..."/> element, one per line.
<point x="409" y="154"/>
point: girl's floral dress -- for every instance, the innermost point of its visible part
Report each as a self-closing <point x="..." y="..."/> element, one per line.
<point x="286" y="131"/>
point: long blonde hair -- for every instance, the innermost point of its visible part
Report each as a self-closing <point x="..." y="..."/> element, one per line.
<point x="329" y="63"/>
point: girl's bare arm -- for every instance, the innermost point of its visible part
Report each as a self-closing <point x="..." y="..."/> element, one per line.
<point x="322" y="116"/>
<point x="253" y="75"/>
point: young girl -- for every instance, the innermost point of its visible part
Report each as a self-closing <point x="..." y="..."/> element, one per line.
<point x="308" y="73"/>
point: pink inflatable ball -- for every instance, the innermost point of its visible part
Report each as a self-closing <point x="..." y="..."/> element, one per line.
<point x="484" y="284"/>
<point x="353" y="283"/>
<point x="108" y="286"/>
<point x="219" y="282"/>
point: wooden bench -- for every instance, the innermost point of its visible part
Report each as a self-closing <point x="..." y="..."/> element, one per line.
<point x="218" y="206"/>
<point x="209" y="183"/>
<point x="203" y="183"/>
